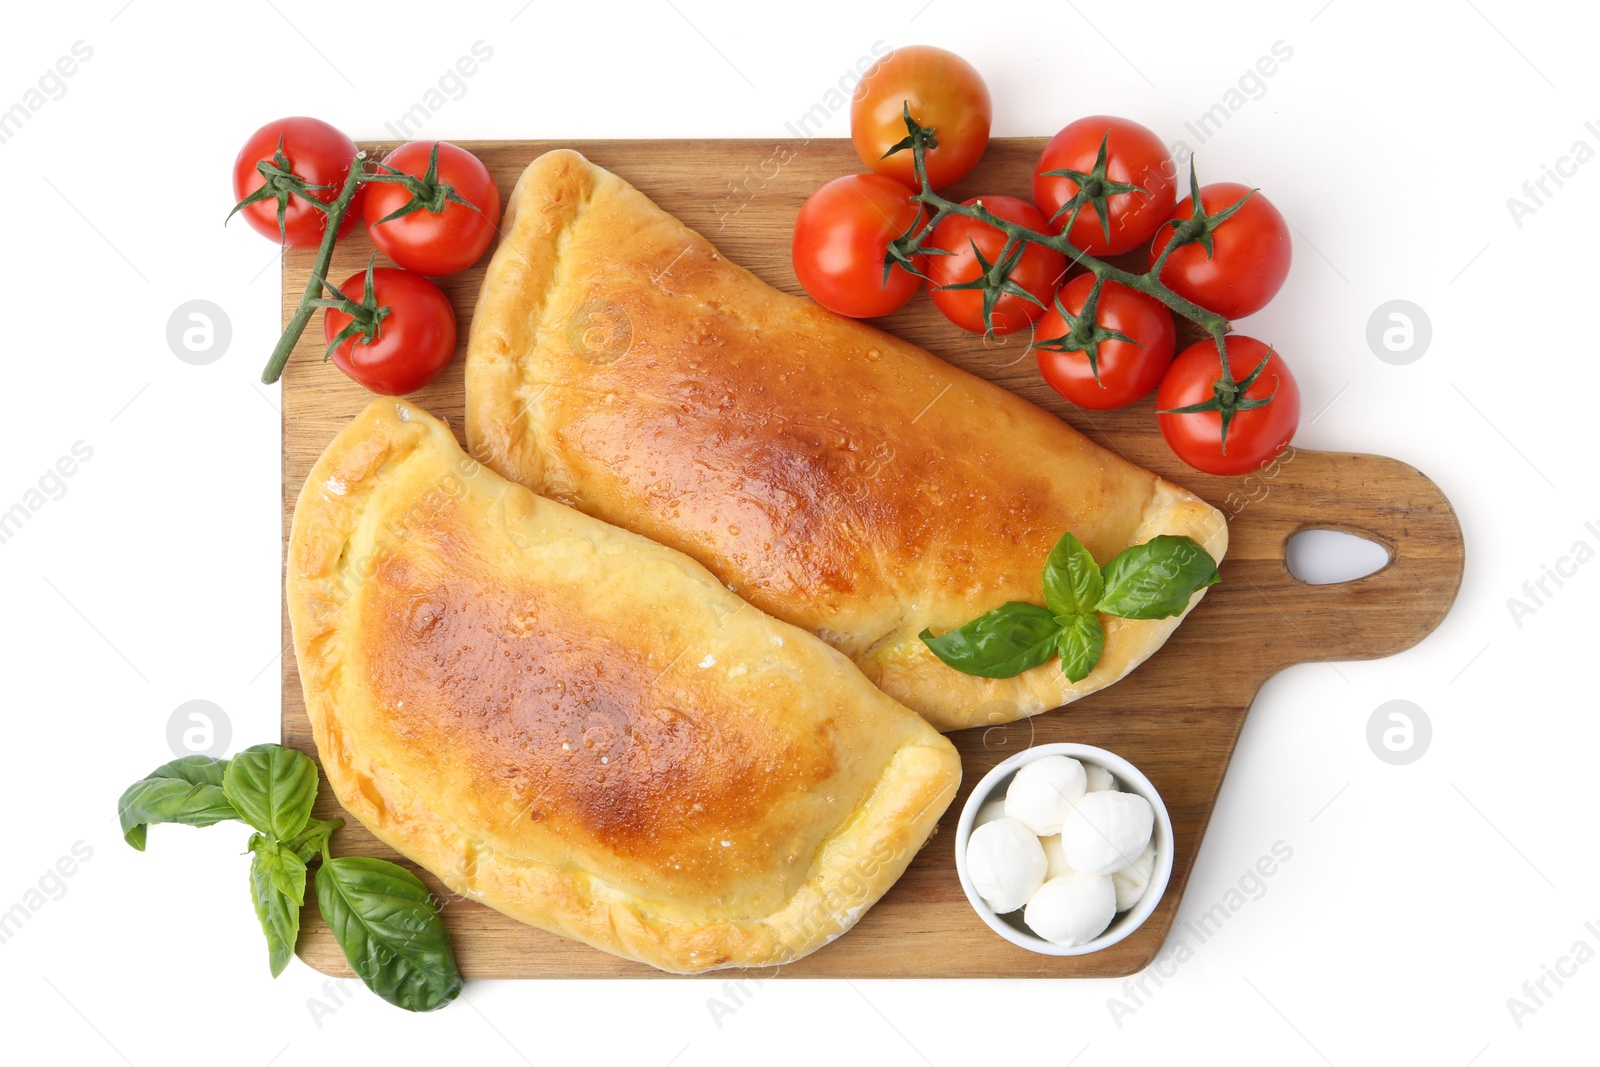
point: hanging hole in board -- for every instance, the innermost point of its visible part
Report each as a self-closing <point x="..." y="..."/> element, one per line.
<point x="1326" y="557"/>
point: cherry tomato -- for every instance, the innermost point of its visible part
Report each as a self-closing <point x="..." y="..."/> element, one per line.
<point x="1039" y="270"/>
<point x="841" y="237"/>
<point x="1134" y="157"/>
<point x="318" y="155"/>
<point x="413" y="341"/>
<point x="1249" y="258"/>
<point x="435" y="243"/>
<point x="1128" y="371"/>
<point x="1255" y="436"/>
<point x="943" y="92"/>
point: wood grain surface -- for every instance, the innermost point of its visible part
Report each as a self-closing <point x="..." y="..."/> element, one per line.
<point x="1177" y="717"/>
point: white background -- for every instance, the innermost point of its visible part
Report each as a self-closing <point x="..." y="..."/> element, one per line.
<point x="1418" y="898"/>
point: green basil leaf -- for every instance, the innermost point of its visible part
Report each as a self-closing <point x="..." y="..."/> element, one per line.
<point x="272" y="788"/>
<point x="1156" y="579"/>
<point x="1072" y="582"/>
<point x="272" y="868"/>
<point x="999" y="644"/>
<point x="283" y="866"/>
<point x="186" y="791"/>
<point x="313" y="840"/>
<point x="384" y="919"/>
<point x="1081" y="643"/>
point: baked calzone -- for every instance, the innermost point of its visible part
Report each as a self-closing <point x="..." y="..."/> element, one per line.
<point x="585" y="729"/>
<point x="833" y="475"/>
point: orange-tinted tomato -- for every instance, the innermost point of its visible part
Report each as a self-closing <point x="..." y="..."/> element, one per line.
<point x="943" y="91"/>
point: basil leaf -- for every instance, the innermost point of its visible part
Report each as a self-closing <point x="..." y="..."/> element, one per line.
<point x="1156" y="579"/>
<point x="1072" y="582"/>
<point x="272" y="788"/>
<point x="1081" y="643"/>
<point x="271" y="868"/>
<point x="186" y="791"/>
<point x="999" y="644"/>
<point x="384" y="919"/>
<point x="313" y="840"/>
<point x="285" y="869"/>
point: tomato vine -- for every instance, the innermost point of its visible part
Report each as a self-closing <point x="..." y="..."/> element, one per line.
<point x="1228" y="393"/>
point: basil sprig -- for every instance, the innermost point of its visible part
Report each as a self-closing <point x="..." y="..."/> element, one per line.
<point x="380" y="913"/>
<point x="1154" y="580"/>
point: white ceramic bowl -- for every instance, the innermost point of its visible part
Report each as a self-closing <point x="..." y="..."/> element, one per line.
<point x="1129" y="779"/>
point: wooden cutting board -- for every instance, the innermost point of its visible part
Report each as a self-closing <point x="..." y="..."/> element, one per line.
<point x="1177" y="717"/>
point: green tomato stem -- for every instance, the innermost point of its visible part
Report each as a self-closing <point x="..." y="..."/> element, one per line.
<point x="1148" y="283"/>
<point x="319" y="269"/>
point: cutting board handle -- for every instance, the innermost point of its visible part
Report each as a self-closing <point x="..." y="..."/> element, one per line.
<point x="1374" y="497"/>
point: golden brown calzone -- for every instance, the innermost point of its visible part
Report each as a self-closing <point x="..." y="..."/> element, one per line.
<point x="583" y="728"/>
<point x="833" y="475"/>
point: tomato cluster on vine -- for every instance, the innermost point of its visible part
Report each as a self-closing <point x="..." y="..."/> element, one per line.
<point x="1104" y="335"/>
<point x="430" y="206"/>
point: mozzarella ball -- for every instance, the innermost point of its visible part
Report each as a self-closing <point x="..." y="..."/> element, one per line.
<point x="1006" y="864"/>
<point x="1043" y="791"/>
<point x="1105" y="832"/>
<point x="1072" y="909"/>
<point x="991" y="810"/>
<point x="1055" y="858"/>
<point x="1131" y="882"/>
<point x="1100" y="779"/>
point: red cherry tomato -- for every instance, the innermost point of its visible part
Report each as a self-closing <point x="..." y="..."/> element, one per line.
<point x="414" y="340"/>
<point x="318" y="155"/>
<point x="840" y="239"/>
<point x="1038" y="272"/>
<point x="943" y="92"/>
<point x="435" y="244"/>
<point x="1249" y="259"/>
<point x="1255" y="436"/>
<point x="1128" y="371"/>
<point x="1134" y="156"/>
